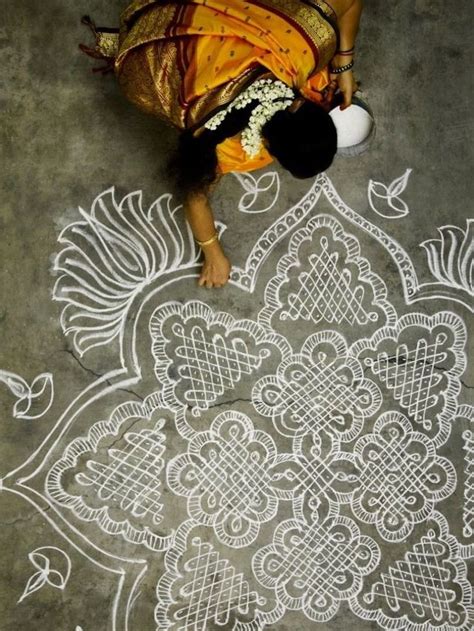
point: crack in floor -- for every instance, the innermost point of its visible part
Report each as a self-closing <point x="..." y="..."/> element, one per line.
<point x="28" y="517"/>
<point x="98" y="375"/>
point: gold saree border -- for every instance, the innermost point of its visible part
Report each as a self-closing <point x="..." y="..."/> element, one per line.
<point x="155" y="84"/>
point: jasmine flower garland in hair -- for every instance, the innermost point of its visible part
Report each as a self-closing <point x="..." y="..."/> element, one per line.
<point x="251" y="138"/>
<point x="272" y="95"/>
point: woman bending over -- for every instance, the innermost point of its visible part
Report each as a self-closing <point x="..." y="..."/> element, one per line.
<point x="246" y="82"/>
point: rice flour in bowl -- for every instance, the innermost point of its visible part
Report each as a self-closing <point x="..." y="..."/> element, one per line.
<point x="355" y="127"/>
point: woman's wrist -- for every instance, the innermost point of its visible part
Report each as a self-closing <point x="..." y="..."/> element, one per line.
<point x="341" y="60"/>
<point x="213" y="249"/>
<point x="209" y="241"/>
<point x="348" y="24"/>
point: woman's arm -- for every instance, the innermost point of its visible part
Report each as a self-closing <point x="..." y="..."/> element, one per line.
<point x="349" y="13"/>
<point x="216" y="268"/>
<point x="348" y="23"/>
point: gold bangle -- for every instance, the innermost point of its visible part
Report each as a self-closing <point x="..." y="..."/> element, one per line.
<point x="209" y="241"/>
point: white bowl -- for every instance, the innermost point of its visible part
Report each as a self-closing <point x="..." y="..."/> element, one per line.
<point x="355" y="127"/>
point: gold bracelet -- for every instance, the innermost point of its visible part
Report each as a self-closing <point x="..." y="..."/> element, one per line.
<point x="209" y="241"/>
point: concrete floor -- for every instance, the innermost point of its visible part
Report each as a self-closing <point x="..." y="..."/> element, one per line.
<point x="166" y="460"/>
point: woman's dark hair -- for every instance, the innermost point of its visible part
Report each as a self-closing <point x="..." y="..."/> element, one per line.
<point x="304" y="142"/>
<point x="194" y="165"/>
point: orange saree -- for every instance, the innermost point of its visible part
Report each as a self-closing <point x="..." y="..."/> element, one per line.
<point x="185" y="60"/>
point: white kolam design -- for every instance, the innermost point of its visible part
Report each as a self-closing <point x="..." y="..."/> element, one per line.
<point x="201" y="589"/>
<point x="266" y="186"/>
<point x="313" y="565"/>
<point x="321" y="389"/>
<point x="118" y="488"/>
<point x="230" y="478"/>
<point x="426" y="588"/>
<point x="53" y="567"/>
<point x="451" y="258"/>
<point x="419" y="363"/>
<point x="401" y="477"/>
<point x="202" y="355"/>
<point x="466" y="412"/>
<point x="111" y="256"/>
<point x="324" y="280"/>
<point x="283" y="466"/>
<point x="386" y="201"/>
<point x="33" y="401"/>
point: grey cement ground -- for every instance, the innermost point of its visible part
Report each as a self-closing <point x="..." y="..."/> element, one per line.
<point x="68" y="135"/>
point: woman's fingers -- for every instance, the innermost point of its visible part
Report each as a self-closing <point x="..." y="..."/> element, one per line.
<point x="204" y="281"/>
<point x="347" y="100"/>
<point x="330" y="90"/>
<point x="347" y="86"/>
<point x="209" y="282"/>
<point x="215" y="273"/>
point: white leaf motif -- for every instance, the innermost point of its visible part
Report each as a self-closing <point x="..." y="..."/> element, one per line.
<point x="42" y="559"/>
<point x="33" y="401"/>
<point x="18" y="386"/>
<point x="35" y="582"/>
<point x="385" y="200"/>
<point x="255" y="188"/>
<point x="399" y="184"/>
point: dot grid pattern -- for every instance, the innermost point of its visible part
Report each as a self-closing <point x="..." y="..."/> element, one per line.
<point x="411" y="374"/>
<point x="328" y="458"/>
<point x="209" y="364"/>
<point x="326" y="292"/>
<point x="421" y="583"/>
<point x="131" y="477"/>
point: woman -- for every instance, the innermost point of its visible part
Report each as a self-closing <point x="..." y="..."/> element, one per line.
<point x="245" y="81"/>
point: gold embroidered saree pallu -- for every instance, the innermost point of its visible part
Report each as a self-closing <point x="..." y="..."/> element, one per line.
<point x="183" y="61"/>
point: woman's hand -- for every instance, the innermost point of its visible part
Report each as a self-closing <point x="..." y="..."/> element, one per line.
<point x="216" y="268"/>
<point x="348" y="18"/>
<point x="347" y="85"/>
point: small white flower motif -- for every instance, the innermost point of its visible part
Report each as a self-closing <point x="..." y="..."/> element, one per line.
<point x="251" y="137"/>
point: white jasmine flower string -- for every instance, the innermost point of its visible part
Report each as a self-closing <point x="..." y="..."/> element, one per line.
<point x="272" y="96"/>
